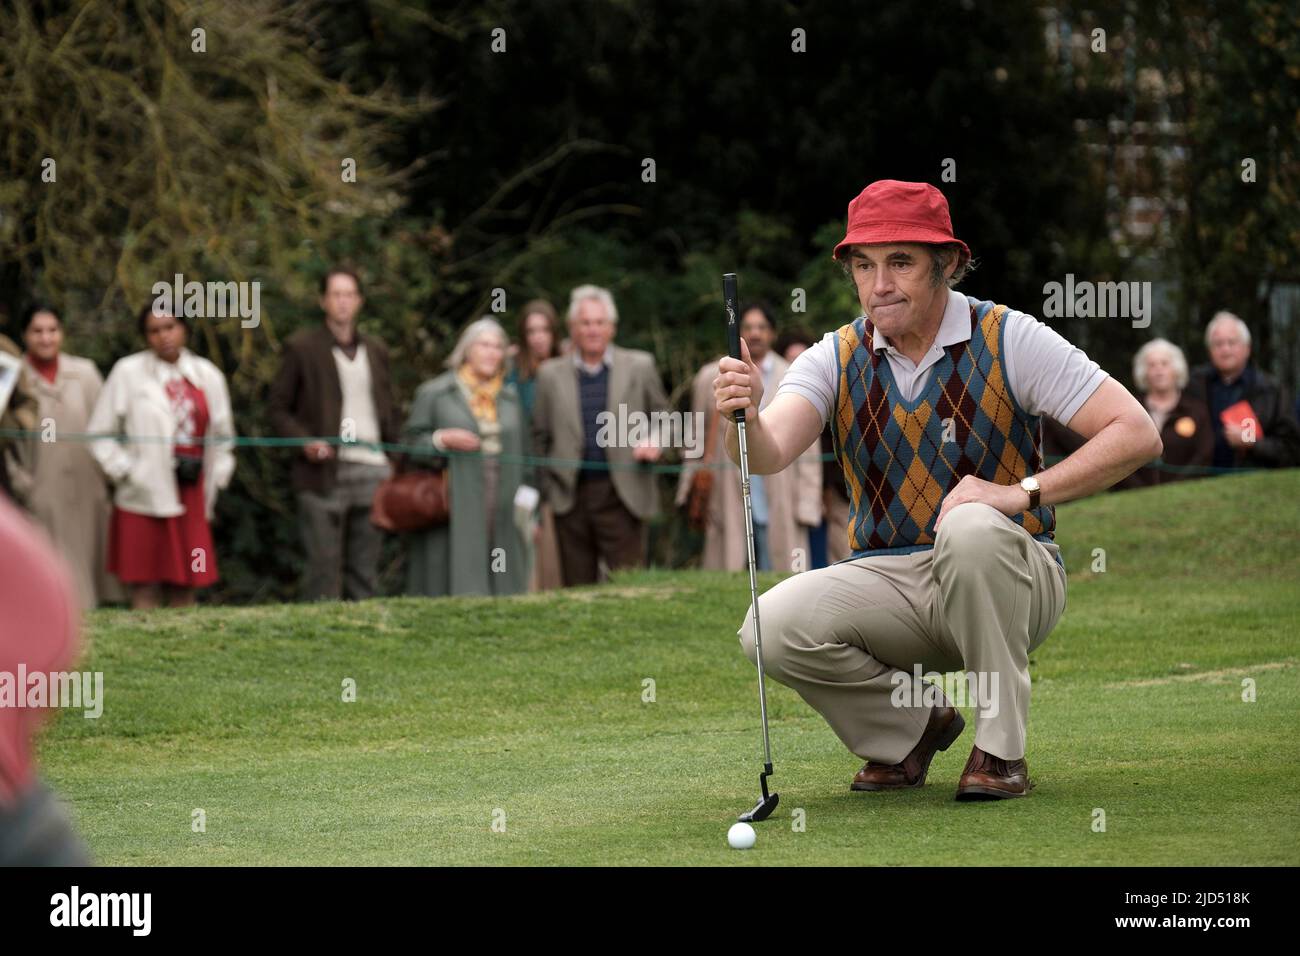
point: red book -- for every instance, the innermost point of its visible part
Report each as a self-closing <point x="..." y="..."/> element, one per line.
<point x="1243" y="416"/>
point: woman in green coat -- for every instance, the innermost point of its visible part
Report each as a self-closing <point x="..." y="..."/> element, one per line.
<point x="469" y="408"/>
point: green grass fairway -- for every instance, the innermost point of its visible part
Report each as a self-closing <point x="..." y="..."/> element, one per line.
<point x="532" y="708"/>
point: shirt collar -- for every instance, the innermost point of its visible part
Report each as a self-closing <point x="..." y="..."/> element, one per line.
<point x="358" y="348"/>
<point x="954" y="327"/>
<point x="1239" y="380"/>
<point x="185" y="366"/>
<point x="606" y="360"/>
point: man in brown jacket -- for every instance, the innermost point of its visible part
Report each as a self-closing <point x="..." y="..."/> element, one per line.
<point x="334" y="381"/>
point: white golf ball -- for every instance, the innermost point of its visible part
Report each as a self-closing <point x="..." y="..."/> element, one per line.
<point x="741" y="836"/>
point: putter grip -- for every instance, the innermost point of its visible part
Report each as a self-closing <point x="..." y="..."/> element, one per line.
<point x="731" y="300"/>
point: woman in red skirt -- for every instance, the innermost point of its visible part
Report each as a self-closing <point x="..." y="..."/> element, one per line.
<point x="170" y="411"/>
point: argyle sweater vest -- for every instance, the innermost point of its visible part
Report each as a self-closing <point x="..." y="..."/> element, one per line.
<point x="901" y="458"/>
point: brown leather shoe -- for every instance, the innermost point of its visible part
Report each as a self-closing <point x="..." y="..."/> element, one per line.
<point x="944" y="726"/>
<point x="987" y="777"/>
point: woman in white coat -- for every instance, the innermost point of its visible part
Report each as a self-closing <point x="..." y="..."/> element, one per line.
<point x="173" y="452"/>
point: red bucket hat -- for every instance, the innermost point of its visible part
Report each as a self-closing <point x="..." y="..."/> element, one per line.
<point x="892" y="211"/>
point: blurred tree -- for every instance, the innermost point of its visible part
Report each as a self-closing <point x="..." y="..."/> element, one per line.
<point x="746" y="134"/>
<point x="503" y="145"/>
<point x="150" y="139"/>
<point x="1189" y="119"/>
<point x="1233" y="77"/>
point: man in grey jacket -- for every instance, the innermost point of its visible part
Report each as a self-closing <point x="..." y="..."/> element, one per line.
<point x="582" y="400"/>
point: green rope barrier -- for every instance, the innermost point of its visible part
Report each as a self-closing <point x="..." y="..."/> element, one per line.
<point x="426" y="451"/>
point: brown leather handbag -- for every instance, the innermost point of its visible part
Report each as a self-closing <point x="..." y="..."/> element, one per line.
<point x="413" y="499"/>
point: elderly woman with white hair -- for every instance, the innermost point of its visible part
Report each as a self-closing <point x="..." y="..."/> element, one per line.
<point x="1160" y="374"/>
<point x="470" y="411"/>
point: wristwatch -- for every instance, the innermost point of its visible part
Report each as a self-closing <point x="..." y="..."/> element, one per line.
<point x="1030" y="486"/>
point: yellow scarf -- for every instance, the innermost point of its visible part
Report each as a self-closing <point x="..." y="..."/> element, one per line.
<point x="482" y="395"/>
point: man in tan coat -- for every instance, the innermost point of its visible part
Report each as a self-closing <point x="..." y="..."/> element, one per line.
<point x="603" y="500"/>
<point x="786" y="504"/>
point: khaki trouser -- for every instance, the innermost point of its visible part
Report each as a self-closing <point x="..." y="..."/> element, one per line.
<point x="848" y="637"/>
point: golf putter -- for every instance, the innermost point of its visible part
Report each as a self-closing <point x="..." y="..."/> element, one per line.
<point x="767" y="803"/>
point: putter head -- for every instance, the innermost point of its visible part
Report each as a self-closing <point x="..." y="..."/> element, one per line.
<point x="762" y="810"/>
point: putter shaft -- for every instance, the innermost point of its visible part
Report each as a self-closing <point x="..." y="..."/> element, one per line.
<point x="753" y="585"/>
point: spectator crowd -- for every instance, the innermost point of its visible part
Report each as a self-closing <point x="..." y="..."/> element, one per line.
<point x="517" y="432"/>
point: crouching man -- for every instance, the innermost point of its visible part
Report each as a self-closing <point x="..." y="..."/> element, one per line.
<point x="934" y="400"/>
